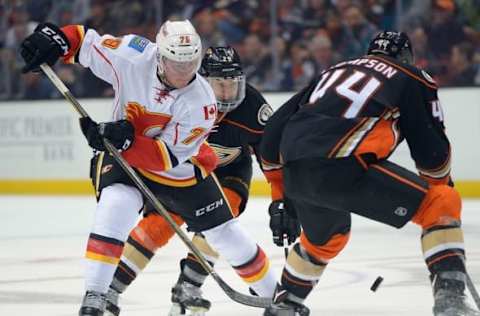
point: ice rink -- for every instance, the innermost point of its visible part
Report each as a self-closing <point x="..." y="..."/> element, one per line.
<point x="42" y="241"/>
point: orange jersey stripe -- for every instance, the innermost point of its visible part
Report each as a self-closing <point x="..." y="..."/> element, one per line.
<point x="379" y="140"/>
<point x="443" y="257"/>
<point x="324" y="253"/>
<point x="168" y="181"/>
<point x="251" y="130"/>
<point x="345" y="138"/>
<point x="406" y="71"/>
<point x="399" y="178"/>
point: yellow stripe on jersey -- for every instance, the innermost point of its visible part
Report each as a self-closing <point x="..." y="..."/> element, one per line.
<point x="167" y="162"/>
<point x="167" y="181"/>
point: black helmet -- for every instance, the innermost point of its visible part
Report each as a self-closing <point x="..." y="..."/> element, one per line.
<point x="393" y="44"/>
<point x="221" y="62"/>
<point x="222" y="68"/>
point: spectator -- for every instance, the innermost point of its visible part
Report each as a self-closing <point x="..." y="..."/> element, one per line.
<point x="256" y="60"/>
<point x="302" y="67"/>
<point x="443" y="30"/>
<point x="421" y="51"/>
<point x="36" y="87"/>
<point x="322" y="53"/>
<point x="315" y="13"/>
<point x="461" y="70"/>
<point x="361" y="29"/>
<point x="311" y="34"/>
<point x="20" y="28"/>
<point x="344" y="44"/>
<point x="206" y="25"/>
<point x="98" y="18"/>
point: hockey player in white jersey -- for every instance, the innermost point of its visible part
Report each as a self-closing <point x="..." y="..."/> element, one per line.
<point x="161" y="115"/>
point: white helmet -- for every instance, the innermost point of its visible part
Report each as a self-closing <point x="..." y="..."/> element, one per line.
<point x="178" y="42"/>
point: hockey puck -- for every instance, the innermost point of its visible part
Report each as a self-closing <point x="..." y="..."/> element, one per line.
<point x="376" y="284"/>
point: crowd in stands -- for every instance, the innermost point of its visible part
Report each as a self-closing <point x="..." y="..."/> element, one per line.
<point x="306" y="36"/>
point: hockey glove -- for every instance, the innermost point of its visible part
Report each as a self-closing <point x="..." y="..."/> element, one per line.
<point x="120" y="133"/>
<point x="45" y="45"/>
<point x="283" y="223"/>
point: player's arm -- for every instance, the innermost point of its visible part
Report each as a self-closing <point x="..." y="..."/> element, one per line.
<point x="421" y="123"/>
<point x="75" y="43"/>
<point x="160" y="153"/>
<point x="180" y="141"/>
<point x="283" y="218"/>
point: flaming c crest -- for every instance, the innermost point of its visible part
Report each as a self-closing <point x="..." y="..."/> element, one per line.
<point x="144" y="120"/>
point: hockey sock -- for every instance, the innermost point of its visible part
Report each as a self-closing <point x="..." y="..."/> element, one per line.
<point x="301" y="273"/>
<point x="134" y="259"/>
<point x="257" y="273"/>
<point x="247" y="258"/>
<point x="191" y="270"/>
<point x="151" y="233"/>
<point x="444" y="253"/>
<point x="103" y="254"/>
<point x="442" y="237"/>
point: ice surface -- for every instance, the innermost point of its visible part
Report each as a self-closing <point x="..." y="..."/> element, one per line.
<point x="42" y="241"/>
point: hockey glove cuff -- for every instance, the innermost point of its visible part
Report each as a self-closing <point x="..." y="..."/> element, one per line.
<point x="120" y="133"/>
<point x="284" y="224"/>
<point x="45" y="45"/>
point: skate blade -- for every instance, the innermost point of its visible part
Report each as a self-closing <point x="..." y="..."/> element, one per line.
<point x="178" y="310"/>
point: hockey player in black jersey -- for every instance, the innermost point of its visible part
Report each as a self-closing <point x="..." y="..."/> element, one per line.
<point x="243" y="113"/>
<point x="334" y="138"/>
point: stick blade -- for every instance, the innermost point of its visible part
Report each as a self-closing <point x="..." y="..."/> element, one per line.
<point x="249" y="300"/>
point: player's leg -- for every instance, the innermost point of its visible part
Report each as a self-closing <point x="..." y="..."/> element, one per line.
<point x="191" y="271"/>
<point x="115" y="215"/>
<point x="151" y="233"/>
<point x="390" y="194"/>
<point x="439" y="215"/>
<point x="325" y="233"/>
<point x="225" y="234"/>
<point x="443" y="248"/>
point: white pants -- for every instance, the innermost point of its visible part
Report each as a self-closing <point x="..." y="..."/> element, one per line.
<point x="115" y="216"/>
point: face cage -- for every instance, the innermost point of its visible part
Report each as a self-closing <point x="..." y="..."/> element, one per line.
<point x="219" y="86"/>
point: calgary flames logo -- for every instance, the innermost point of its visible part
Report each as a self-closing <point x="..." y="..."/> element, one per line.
<point x="143" y="120"/>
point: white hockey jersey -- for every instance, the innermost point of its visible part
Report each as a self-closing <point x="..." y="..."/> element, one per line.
<point x="170" y="125"/>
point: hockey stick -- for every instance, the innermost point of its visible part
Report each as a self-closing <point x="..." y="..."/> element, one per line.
<point x="238" y="297"/>
<point x="285" y="245"/>
<point x="473" y="291"/>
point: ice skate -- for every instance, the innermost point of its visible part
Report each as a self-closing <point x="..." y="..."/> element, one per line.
<point x="450" y="303"/>
<point x="283" y="306"/>
<point x="93" y="304"/>
<point x="112" y="308"/>
<point x="449" y="297"/>
<point x="187" y="300"/>
<point x="287" y="308"/>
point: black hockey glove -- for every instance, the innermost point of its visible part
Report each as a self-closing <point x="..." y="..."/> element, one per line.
<point x="120" y="133"/>
<point x="45" y="45"/>
<point x="283" y="222"/>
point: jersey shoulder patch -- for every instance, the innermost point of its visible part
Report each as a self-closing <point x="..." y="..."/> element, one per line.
<point x="264" y="113"/>
<point x="138" y="43"/>
<point x="226" y="155"/>
<point x="112" y="43"/>
<point x="427" y="76"/>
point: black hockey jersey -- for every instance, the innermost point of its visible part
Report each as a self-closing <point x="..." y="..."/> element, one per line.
<point x="238" y="135"/>
<point x="365" y="105"/>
